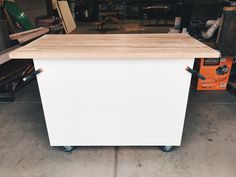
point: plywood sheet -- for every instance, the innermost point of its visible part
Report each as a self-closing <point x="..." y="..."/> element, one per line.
<point x="67" y="18"/>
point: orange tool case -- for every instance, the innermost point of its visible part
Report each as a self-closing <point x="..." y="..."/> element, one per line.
<point x="215" y="70"/>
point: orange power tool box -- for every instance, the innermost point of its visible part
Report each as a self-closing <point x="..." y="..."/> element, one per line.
<point x="215" y="70"/>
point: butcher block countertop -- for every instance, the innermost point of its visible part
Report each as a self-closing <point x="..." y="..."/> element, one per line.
<point x="115" y="46"/>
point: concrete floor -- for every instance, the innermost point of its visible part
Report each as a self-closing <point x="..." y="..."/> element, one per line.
<point x="208" y="146"/>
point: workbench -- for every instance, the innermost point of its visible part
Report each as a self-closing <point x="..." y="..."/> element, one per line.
<point x="114" y="89"/>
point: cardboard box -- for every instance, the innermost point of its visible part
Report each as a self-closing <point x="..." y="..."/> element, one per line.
<point x="216" y="71"/>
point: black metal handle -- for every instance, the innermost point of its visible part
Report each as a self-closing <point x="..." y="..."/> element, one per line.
<point x="32" y="75"/>
<point x="195" y="73"/>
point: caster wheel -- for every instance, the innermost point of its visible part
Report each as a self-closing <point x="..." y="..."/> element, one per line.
<point x="167" y="148"/>
<point x="68" y="148"/>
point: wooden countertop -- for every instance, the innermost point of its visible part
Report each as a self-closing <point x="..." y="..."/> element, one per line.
<point x="115" y="46"/>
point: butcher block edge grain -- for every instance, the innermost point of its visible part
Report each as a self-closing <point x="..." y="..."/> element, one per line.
<point x="115" y="46"/>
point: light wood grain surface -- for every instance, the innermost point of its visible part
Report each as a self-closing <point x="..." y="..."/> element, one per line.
<point x="115" y="46"/>
<point x="29" y="35"/>
<point x="66" y="16"/>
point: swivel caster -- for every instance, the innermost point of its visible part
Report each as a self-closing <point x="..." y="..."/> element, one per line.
<point x="68" y="149"/>
<point x="167" y="148"/>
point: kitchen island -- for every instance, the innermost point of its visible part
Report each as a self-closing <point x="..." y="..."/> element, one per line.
<point x="114" y="89"/>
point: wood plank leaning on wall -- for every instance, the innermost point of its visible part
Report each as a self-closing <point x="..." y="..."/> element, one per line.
<point x="66" y="16"/>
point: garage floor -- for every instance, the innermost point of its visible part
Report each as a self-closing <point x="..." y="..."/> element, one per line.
<point x="208" y="147"/>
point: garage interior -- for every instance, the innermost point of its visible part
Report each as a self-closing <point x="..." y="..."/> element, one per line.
<point x="209" y="139"/>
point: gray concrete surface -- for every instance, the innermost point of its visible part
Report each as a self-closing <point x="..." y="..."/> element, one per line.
<point x="208" y="146"/>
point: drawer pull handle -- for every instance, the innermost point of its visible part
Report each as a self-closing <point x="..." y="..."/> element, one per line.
<point x="195" y="73"/>
<point x="32" y="75"/>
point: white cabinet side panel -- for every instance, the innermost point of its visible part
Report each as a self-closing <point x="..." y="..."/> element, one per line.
<point x="114" y="102"/>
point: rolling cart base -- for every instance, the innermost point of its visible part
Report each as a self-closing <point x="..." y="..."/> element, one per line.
<point x="69" y="149"/>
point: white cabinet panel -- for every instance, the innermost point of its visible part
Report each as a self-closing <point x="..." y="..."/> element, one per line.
<point x="114" y="102"/>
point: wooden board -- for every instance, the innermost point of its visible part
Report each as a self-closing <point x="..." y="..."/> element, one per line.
<point x="115" y="46"/>
<point x="229" y="8"/>
<point x="66" y="16"/>
<point x="4" y="56"/>
<point x="54" y="4"/>
<point x="29" y="35"/>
